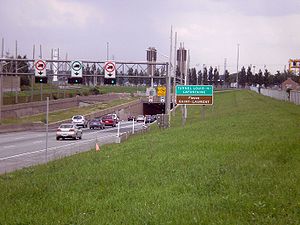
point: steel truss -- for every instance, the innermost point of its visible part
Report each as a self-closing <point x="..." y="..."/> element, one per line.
<point x="90" y="68"/>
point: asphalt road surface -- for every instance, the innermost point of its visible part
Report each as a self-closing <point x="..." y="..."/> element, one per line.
<point x="23" y="149"/>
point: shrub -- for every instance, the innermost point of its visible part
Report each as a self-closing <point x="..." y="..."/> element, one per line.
<point x="94" y="91"/>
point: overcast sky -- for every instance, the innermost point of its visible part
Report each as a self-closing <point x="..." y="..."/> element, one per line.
<point x="268" y="31"/>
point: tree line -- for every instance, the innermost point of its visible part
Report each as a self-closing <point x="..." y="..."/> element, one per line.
<point x="246" y="77"/>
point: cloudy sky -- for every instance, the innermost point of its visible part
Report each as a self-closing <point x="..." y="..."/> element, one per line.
<point x="268" y="31"/>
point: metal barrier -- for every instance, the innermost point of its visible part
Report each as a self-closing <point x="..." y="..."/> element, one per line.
<point x="293" y="97"/>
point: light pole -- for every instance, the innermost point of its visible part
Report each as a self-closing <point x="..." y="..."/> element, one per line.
<point x="107" y="50"/>
<point x="237" y="66"/>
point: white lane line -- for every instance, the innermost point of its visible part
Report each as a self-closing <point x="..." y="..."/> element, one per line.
<point x="74" y="143"/>
<point x="36" y="142"/>
<point x="53" y="148"/>
<point x="9" y="146"/>
<point x="19" y="138"/>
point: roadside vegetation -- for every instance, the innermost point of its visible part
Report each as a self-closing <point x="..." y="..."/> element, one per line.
<point x="53" y="92"/>
<point x="240" y="165"/>
<point x="65" y="114"/>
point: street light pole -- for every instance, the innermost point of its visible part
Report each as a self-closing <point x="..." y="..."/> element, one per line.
<point x="1" y="80"/>
<point x="107" y="50"/>
<point x="237" y="66"/>
<point x="168" y="102"/>
<point x="174" y="73"/>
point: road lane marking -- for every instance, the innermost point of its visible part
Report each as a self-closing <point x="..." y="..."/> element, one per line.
<point x="53" y="148"/>
<point x="9" y="146"/>
<point x="19" y="138"/>
<point x="74" y="143"/>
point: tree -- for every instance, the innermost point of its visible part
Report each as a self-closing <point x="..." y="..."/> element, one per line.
<point x="205" y="82"/>
<point x="249" y="76"/>
<point x="130" y="73"/>
<point x="266" y="78"/>
<point x="210" y="75"/>
<point x="199" y="77"/>
<point x="226" y="78"/>
<point x="23" y="67"/>
<point x="242" y="77"/>
<point x="216" y="76"/>
<point x="260" y="79"/>
<point x="193" y="76"/>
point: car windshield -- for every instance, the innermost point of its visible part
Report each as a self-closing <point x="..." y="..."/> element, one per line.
<point x="95" y="120"/>
<point x="66" y="126"/>
<point x="107" y="117"/>
<point x="77" y="117"/>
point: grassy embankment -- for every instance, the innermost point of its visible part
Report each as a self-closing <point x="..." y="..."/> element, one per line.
<point x="241" y="165"/>
<point x="68" y="113"/>
<point x="53" y="92"/>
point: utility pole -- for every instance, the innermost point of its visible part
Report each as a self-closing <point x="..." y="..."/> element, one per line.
<point x="174" y="74"/>
<point x="225" y="68"/>
<point x="152" y="68"/>
<point x="17" y="83"/>
<point x="186" y="80"/>
<point x="168" y="100"/>
<point x="47" y="127"/>
<point x="2" y="48"/>
<point x="1" y="79"/>
<point x="41" y="85"/>
<point x="41" y="52"/>
<point x="237" y="66"/>
<point x="107" y="50"/>
<point x="32" y="76"/>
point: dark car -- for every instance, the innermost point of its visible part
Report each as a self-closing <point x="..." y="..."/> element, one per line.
<point x="131" y="118"/>
<point x="109" y="120"/>
<point x="96" y="123"/>
<point x="149" y="119"/>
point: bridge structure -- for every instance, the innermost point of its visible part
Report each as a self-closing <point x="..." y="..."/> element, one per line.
<point x="93" y="72"/>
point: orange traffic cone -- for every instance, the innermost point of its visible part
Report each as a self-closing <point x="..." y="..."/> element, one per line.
<point x="97" y="147"/>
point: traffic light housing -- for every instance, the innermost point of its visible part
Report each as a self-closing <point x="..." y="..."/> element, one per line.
<point x="110" y="81"/>
<point x="41" y="80"/>
<point x="75" y="80"/>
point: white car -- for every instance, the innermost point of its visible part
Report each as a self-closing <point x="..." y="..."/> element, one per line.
<point x="68" y="130"/>
<point x="140" y="118"/>
<point x="79" y="120"/>
<point x="115" y="117"/>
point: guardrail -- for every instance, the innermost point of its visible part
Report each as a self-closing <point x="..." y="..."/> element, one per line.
<point x="293" y="97"/>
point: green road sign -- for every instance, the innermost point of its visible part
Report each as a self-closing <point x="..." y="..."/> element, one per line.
<point x="194" y="94"/>
<point x="194" y="90"/>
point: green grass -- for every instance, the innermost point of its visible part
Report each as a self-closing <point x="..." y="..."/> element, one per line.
<point x="54" y="92"/>
<point x="47" y="89"/>
<point x="121" y="89"/>
<point x="241" y="165"/>
<point x="68" y="113"/>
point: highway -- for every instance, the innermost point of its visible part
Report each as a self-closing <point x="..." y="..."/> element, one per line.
<point x="23" y="149"/>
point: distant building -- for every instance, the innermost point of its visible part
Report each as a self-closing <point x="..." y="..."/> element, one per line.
<point x="151" y="57"/>
<point x="290" y="84"/>
<point x="11" y="83"/>
<point x="294" y="66"/>
<point x="182" y="62"/>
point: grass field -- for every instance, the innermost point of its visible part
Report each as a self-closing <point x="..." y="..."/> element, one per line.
<point x="53" y="92"/>
<point x="240" y="165"/>
<point x="65" y="114"/>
